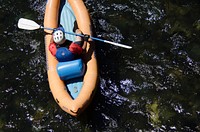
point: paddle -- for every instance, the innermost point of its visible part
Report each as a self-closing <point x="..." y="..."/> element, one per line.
<point x="31" y="25"/>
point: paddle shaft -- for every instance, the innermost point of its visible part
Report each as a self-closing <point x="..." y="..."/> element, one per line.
<point x="93" y="38"/>
<point x="47" y="28"/>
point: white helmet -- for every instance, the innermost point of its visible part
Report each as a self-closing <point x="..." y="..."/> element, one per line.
<point x="58" y="36"/>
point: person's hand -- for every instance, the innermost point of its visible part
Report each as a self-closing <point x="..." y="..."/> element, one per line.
<point x="86" y="37"/>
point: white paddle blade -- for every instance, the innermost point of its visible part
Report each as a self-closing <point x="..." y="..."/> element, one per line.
<point x="27" y="24"/>
<point x="117" y="44"/>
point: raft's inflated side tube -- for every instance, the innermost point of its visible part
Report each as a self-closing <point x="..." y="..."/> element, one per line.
<point x="57" y="86"/>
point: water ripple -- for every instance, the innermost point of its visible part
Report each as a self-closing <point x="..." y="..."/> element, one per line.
<point x="152" y="87"/>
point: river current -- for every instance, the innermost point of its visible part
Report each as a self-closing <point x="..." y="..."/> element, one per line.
<point x="155" y="86"/>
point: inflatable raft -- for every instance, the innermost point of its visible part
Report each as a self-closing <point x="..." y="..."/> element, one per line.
<point x="73" y="94"/>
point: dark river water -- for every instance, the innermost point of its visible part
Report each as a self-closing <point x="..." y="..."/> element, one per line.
<point x="155" y="86"/>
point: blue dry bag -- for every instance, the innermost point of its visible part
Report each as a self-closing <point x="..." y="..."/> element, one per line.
<point x="71" y="69"/>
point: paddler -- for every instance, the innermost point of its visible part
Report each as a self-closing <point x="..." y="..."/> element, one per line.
<point x="58" y="45"/>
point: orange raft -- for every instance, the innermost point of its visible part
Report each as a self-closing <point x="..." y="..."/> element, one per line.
<point x="57" y="86"/>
